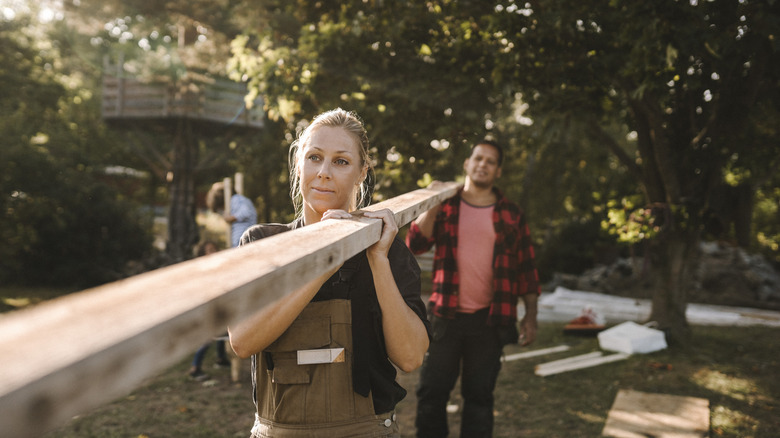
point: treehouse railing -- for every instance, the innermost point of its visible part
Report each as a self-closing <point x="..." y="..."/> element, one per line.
<point x="69" y="355"/>
<point x="218" y="100"/>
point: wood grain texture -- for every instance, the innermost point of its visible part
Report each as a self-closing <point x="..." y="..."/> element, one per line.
<point x="68" y="355"/>
<point x="637" y="414"/>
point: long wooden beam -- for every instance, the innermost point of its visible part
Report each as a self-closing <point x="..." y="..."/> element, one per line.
<point x="69" y="355"/>
<point x="534" y="353"/>
<point x="577" y="362"/>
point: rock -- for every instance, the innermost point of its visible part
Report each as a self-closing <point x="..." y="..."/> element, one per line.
<point x="725" y="275"/>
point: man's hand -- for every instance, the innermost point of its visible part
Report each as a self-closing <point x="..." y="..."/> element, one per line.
<point x="427" y="219"/>
<point x="528" y="325"/>
<point x="528" y="328"/>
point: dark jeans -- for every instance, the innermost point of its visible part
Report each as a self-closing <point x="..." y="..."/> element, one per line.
<point x="197" y="360"/>
<point x="467" y="339"/>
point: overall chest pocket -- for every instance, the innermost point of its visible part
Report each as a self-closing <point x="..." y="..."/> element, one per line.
<point x="312" y="393"/>
<point x="304" y="334"/>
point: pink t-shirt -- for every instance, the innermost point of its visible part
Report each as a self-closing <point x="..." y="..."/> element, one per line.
<point x="476" y="238"/>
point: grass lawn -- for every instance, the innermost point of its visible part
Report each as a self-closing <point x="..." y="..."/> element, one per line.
<point x="736" y="369"/>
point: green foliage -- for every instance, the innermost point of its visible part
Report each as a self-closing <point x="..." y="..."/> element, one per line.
<point x="159" y="41"/>
<point x="685" y="77"/>
<point x="61" y="226"/>
<point x="311" y="56"/>
<point x="688" y="81"/>
<point x="575" y="247"/>
<point x="631" y="224"/>
<point x="766" y="218"/>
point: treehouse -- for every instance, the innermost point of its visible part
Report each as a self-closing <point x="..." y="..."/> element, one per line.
<point x="167" y="121"/>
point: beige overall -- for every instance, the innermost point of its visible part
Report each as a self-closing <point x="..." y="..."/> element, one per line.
<point x="315" y="400"/>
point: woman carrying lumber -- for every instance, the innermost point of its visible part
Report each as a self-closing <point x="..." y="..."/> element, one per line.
<point x="323" y="356"/>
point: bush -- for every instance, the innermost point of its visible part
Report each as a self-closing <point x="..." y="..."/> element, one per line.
<point x="574" y="248"/>
<point x="61" y="226"/>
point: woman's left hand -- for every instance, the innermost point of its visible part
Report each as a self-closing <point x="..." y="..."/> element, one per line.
<point x="389" y="230"/>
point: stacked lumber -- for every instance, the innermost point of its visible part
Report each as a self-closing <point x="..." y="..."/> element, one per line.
<point x="563" y="304"/>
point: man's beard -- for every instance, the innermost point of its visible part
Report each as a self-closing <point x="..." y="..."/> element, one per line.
<point x="482" y="184"/>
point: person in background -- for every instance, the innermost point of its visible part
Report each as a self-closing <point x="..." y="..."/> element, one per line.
<point x="242" y="212"/>
<point x="196" y="369"/>
<point x="368" y="311"/>
<point x="483" y="263"/>
<point x="242" y="215"/>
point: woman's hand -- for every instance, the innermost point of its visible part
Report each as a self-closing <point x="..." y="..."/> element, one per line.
<point x="389" y="230"/>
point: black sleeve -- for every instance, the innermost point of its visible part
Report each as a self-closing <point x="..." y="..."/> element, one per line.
<point x="406" y="273"/>
<point x="261" y="231"/>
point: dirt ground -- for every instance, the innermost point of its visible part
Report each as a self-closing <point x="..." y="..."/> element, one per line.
<point x="174" y="405"/>
<point x="734" y="368"/>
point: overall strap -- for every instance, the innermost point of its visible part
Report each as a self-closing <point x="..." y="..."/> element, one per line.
<point x="349" y="283"/>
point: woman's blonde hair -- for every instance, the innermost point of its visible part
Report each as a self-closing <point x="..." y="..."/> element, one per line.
<point x="337" y="118"/>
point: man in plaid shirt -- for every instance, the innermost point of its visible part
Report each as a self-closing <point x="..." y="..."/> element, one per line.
<point x="483" y="262"/>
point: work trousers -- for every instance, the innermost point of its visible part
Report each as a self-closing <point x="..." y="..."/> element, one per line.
<point x="469" y="341"/>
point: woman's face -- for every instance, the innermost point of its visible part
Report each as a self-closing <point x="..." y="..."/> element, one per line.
<point x="331" y="171"/>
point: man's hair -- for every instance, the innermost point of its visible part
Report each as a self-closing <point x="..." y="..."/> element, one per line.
<point x="492" y="143"/>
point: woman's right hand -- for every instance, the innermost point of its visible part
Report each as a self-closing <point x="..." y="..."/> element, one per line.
<point x="389" y="231"/>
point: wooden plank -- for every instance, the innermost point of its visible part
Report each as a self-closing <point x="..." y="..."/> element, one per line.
<point x="577" y="362"/>
<point x="71" y="354"/>
<point x="535" y="353"/>
<point x="232" y="86"/>
<point x="143" y="105"/>
<point x="227" y="193"/>
<point x="224" y="105"/>
<point x="571" y="359"/>
<point x="224" y="94"/>
<point x="563" y="305"/>
<point x="239" y="186"/>
<point x="637" y="414"/>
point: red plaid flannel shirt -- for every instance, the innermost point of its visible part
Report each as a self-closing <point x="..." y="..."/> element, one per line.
<point x="514" y="273"/>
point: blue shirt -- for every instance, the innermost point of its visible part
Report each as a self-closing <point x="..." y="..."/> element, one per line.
<point x="244" y="211"/>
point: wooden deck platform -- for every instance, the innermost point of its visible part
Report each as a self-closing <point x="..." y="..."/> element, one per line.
<point x="219" y="101"/>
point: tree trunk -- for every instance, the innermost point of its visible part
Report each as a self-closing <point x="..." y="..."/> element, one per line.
<point x="673" y="257"/>
<point x="182" y="227"/>
<point x="743" y="215"/>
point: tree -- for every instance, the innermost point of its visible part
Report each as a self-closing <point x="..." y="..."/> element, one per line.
<point x="374" y="58"/>
<point x="565" y="182"/>
<point x="182" y="45"/>
<point x="685" y="78"/>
